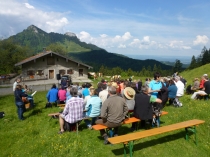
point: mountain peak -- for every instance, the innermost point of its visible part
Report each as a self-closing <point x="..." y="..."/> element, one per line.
<point x="70" y="34"/>
<point x="33" y="28"/>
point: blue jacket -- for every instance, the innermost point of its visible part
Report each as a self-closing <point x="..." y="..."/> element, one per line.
<point x="93" y="106"/>
<point x="52" y="95"/>
<point x="172" y="91"/>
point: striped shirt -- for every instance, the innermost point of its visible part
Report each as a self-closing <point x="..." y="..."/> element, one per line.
<point x="73" y="111"/>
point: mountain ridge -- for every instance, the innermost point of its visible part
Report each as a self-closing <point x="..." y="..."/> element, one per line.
<point x="37" y="39"/>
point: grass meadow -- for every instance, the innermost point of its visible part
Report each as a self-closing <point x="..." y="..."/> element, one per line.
<point x="37" y="136"/>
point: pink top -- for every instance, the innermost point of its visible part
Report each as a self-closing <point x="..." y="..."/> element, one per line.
<point x="62" y="94"/>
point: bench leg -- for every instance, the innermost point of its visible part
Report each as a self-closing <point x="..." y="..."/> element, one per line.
<point x="130" y="145"/>
<point x="193" y="130"/>
<point x="77" y="126"/>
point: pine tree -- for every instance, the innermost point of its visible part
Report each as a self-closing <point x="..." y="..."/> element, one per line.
<point x="193" y="63"/>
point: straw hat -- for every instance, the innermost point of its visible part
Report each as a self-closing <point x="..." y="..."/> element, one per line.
<point x="129" y="93"/>
<point x="114" y="84"/>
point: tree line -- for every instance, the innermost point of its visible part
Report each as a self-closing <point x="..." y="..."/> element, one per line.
<point x="202" y="59"/>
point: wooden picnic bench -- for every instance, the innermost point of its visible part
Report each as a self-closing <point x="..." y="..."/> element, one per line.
<point x="189" y="126"/>
<point x="126" y="121"/>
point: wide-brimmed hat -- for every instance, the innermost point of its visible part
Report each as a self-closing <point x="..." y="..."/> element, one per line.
<point x="129" y="93"/>
<point x="114" y="84"/>
<point x="205" y="74"/>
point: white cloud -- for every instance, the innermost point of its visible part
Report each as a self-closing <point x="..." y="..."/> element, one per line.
<point x="16" y="16"/>
<point x="175" y="44"/>
<point x="126" y="36"/>
<point x="103" y="35"/>
<point x="186" y="47"/>
<point x="122" y="46"/>
<point x="85" y="36"/>
<point x="200" y="40"/>
<point x="29" y="6"/>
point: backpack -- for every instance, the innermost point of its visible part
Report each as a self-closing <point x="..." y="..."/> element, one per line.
<point x="177" y="103"/>
<point x="2" y="114"/>
<point x="163" y="94"/>
<point x="48" y="104"/>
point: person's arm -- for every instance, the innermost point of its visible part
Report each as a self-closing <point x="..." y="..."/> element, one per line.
<point x="104" y="109"/>
<point x="48" y="96"/>
<point x="154" y="99"/>
<point x="87" y="105"/>
<point x="125" y="108"/>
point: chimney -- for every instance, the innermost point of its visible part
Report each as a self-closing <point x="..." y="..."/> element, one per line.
<point x="44" y="49"/>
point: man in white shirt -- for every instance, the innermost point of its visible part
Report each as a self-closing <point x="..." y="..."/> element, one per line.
<point x="180" y="89"/>
<point x="103" y="94"/>
<point x="17" y="81"/>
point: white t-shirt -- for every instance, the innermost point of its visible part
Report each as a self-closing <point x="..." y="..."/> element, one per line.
<point x="103" y="95"/>
<point x="180" y="88"/>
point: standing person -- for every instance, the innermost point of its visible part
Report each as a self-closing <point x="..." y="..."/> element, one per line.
<point x="17" y="81"/>
<point x="29" y="97"/>
<point x="52" y="95"/>
<point x="155" y="85"/>
<point x="85" y="92"/>
<point x="62" y="95"/>
<point x="73" y="111"/>
<point x="92" y="108"/>
<point x="113" y="113"/>
<point x="19" y="102"/>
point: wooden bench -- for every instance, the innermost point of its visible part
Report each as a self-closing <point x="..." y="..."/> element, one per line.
<point x="61" y="105"/>
<point x="126" y="121"/>
<point x="56" y="115"/>
<point x="129" y="138"/>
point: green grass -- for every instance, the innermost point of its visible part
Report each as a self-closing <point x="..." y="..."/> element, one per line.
<point x="37" y="136"/>
<point x="189" y="75"/>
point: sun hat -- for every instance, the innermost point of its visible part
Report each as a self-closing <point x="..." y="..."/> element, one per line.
<point x="114" y="84"/>
<point x="129" y="93"/>
<point x="205" y="74"/>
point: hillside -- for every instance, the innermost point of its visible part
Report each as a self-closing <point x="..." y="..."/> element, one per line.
<point x="36" y="39"/>
<point x="189" y="75"/>
<point x="101" y="57"/>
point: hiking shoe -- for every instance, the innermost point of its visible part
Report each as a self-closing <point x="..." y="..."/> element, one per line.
<point x="106" y="140"/>
<point x="90" y="127"/>
<point x="60" y="132"/>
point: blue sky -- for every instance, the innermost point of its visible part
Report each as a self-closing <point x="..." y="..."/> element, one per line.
<point x="129" y="27"/>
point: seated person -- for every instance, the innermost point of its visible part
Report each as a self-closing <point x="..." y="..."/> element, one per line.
<point x="73" y="111"/>
<point x="205" y="90"/>
<point x="92" y="108"/>
<point x="195" y="85"/>
<point x="113" y="112"/>
<point x="62" y="95"/>
<point x="172" y="90"/>
<point x="52" y="95"/>
<point x="143" y="107"/>
<point x="128" y="94"/>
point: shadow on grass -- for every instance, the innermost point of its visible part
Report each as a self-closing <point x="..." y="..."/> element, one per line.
<point x="153" y="142"/>
<point x="34" y="112"/>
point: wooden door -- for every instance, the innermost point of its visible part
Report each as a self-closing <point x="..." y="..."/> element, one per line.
<point x="80" y="72"/>
<point x="51" y="74"/>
